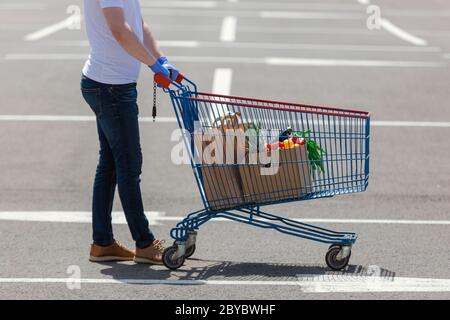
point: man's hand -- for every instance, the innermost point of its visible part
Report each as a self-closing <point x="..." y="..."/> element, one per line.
<point x="172" y="70"/>
<point x="157" y="67"/>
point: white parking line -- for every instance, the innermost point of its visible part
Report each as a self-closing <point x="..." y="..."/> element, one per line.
<point x="22" y="6"/>
<point x="364" y="1"/>
<point x="228" y="30"/>
<point x="310" y="283"/>
<point x="418" y="13"/>
<point x="177" y="43"/>
<point x="221" y="85"/>
<point x="446" y="56"/>
<point x="61" y="118"/>
<point x="42" y="33"/>
<point x="309" y="15"/>
<point x="411" y="124"/>
<point x="279" y="61"/>
<point x="390" y="27"/>
<point x="228" y="43"/>
<point x="222" y="81"/>
<point x="162" y="43"/>
<point x="348" y="63"/>
<point x="219" y="13"/>
<point x="179" y="4"/>
<point x="306" y="30"/>
<point x="70" y="216"/>
<point x="252" y="5"/>
<point x="155" y="217"/>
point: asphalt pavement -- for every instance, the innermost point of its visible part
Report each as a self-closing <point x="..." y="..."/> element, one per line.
<point x="313" y="52"/>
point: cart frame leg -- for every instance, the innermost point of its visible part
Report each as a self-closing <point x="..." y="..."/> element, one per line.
<point x="255" y="217"/>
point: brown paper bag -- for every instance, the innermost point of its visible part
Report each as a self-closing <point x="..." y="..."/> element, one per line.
<point x="221" y="179"/>
<point x="292" y="180"/>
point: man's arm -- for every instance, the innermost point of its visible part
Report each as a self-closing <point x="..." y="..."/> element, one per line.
<point x="125" y="36"/>
<point x="152" y="46"/>
<point x="150" y="41"/>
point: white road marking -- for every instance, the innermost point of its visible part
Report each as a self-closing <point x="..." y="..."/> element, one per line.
<point x="286" y="6"/>
<point x="61" y="118"/>
<point x="411" y="124"/>
<point x="155" y="216"/>
<point x="42" y="33"/>
<point x="221" y="85"/>
<point x="390" y="27"/>
<point x="22" y="6"/>
<point x="296" y="30"/>
<point x="418" y="13"/>
<point x="222" y="81"/>
<point x="254" y="5"/>
<point x="364" y="1"/>
<point x="228" y="30"/>
<point x="85" y="43"/>
<point x="178" y="43"/>
<point x="268" y="45"/>
<point x="46" y="56"/>
<point x="219" y="13"/>
<point x="310" y="283"/>
<point x="348" y="63"/>
<point x="309" y="15"/>
<point x="46" y="118"/>
<point x="70" y="216"/>
<point x="279" y="61"/>
<point x="378" y="221"/>
<point x="319" y="47"/>
<point x="446" y="56"/>
<point x="179" y="4"/>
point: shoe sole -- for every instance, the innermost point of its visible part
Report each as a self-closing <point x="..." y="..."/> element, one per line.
<point x="145" y="260"/>
<point x="108" y="258"/>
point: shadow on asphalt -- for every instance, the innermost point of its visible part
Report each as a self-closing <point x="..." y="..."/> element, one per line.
<point x="229" y="270"/>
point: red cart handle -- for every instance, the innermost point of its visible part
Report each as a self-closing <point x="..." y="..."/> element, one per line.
<point x="164" y="81"/>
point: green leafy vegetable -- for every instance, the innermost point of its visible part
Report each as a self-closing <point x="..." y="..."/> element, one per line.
<point x="315" y="151"/>
<point x="254" y="130"/>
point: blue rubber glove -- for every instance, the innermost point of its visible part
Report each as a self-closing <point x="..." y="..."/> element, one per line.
<point x="157" y="67"/>
<point x="172" y="70"/>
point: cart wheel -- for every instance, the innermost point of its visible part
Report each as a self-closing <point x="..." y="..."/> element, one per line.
<point x="189" y="251"/>
<point x="331" y="258"/>
<point x="168" y="261"/>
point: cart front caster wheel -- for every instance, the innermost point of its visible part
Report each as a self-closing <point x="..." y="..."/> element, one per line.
<point x="168" y="260"/>
<point x="333" y="260"/>
<point x="189" y="251"/>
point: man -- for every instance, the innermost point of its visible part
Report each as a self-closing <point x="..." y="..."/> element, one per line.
<point x="120" y="41"/>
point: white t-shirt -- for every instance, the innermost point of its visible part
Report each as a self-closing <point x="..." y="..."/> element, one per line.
<point x="108" y="62"/>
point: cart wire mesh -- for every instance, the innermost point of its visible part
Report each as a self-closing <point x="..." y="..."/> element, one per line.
<point x="235" y="182"/>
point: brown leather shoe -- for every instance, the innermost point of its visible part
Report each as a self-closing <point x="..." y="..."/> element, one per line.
<point x="113" y="252"/>
<point x="151" y="254"/>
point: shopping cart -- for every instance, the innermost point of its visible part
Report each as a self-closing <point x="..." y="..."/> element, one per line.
<point x="319" y="152"/>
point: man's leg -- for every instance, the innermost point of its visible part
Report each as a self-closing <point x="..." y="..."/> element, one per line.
<point x="103" y="194"/>
<point x="104" y="182"/>
<point x="121" y="127"/>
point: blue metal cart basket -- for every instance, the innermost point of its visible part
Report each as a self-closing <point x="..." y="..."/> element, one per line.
<point x="236" y="188"/>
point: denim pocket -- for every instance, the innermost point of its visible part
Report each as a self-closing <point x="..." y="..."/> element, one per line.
<point x="92" y="97"/>
<point x="124" y="93"/>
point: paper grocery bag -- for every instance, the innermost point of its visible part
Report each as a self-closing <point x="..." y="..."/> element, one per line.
<point x="233" y="129"/>
<point x="292" y="179"/>
<point x="220" y="180"/>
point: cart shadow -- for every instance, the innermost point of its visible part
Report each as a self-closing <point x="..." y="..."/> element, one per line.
<point x="230" y="270"/>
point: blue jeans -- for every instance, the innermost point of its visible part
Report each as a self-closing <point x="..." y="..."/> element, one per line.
<point x="120" y="160"/>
